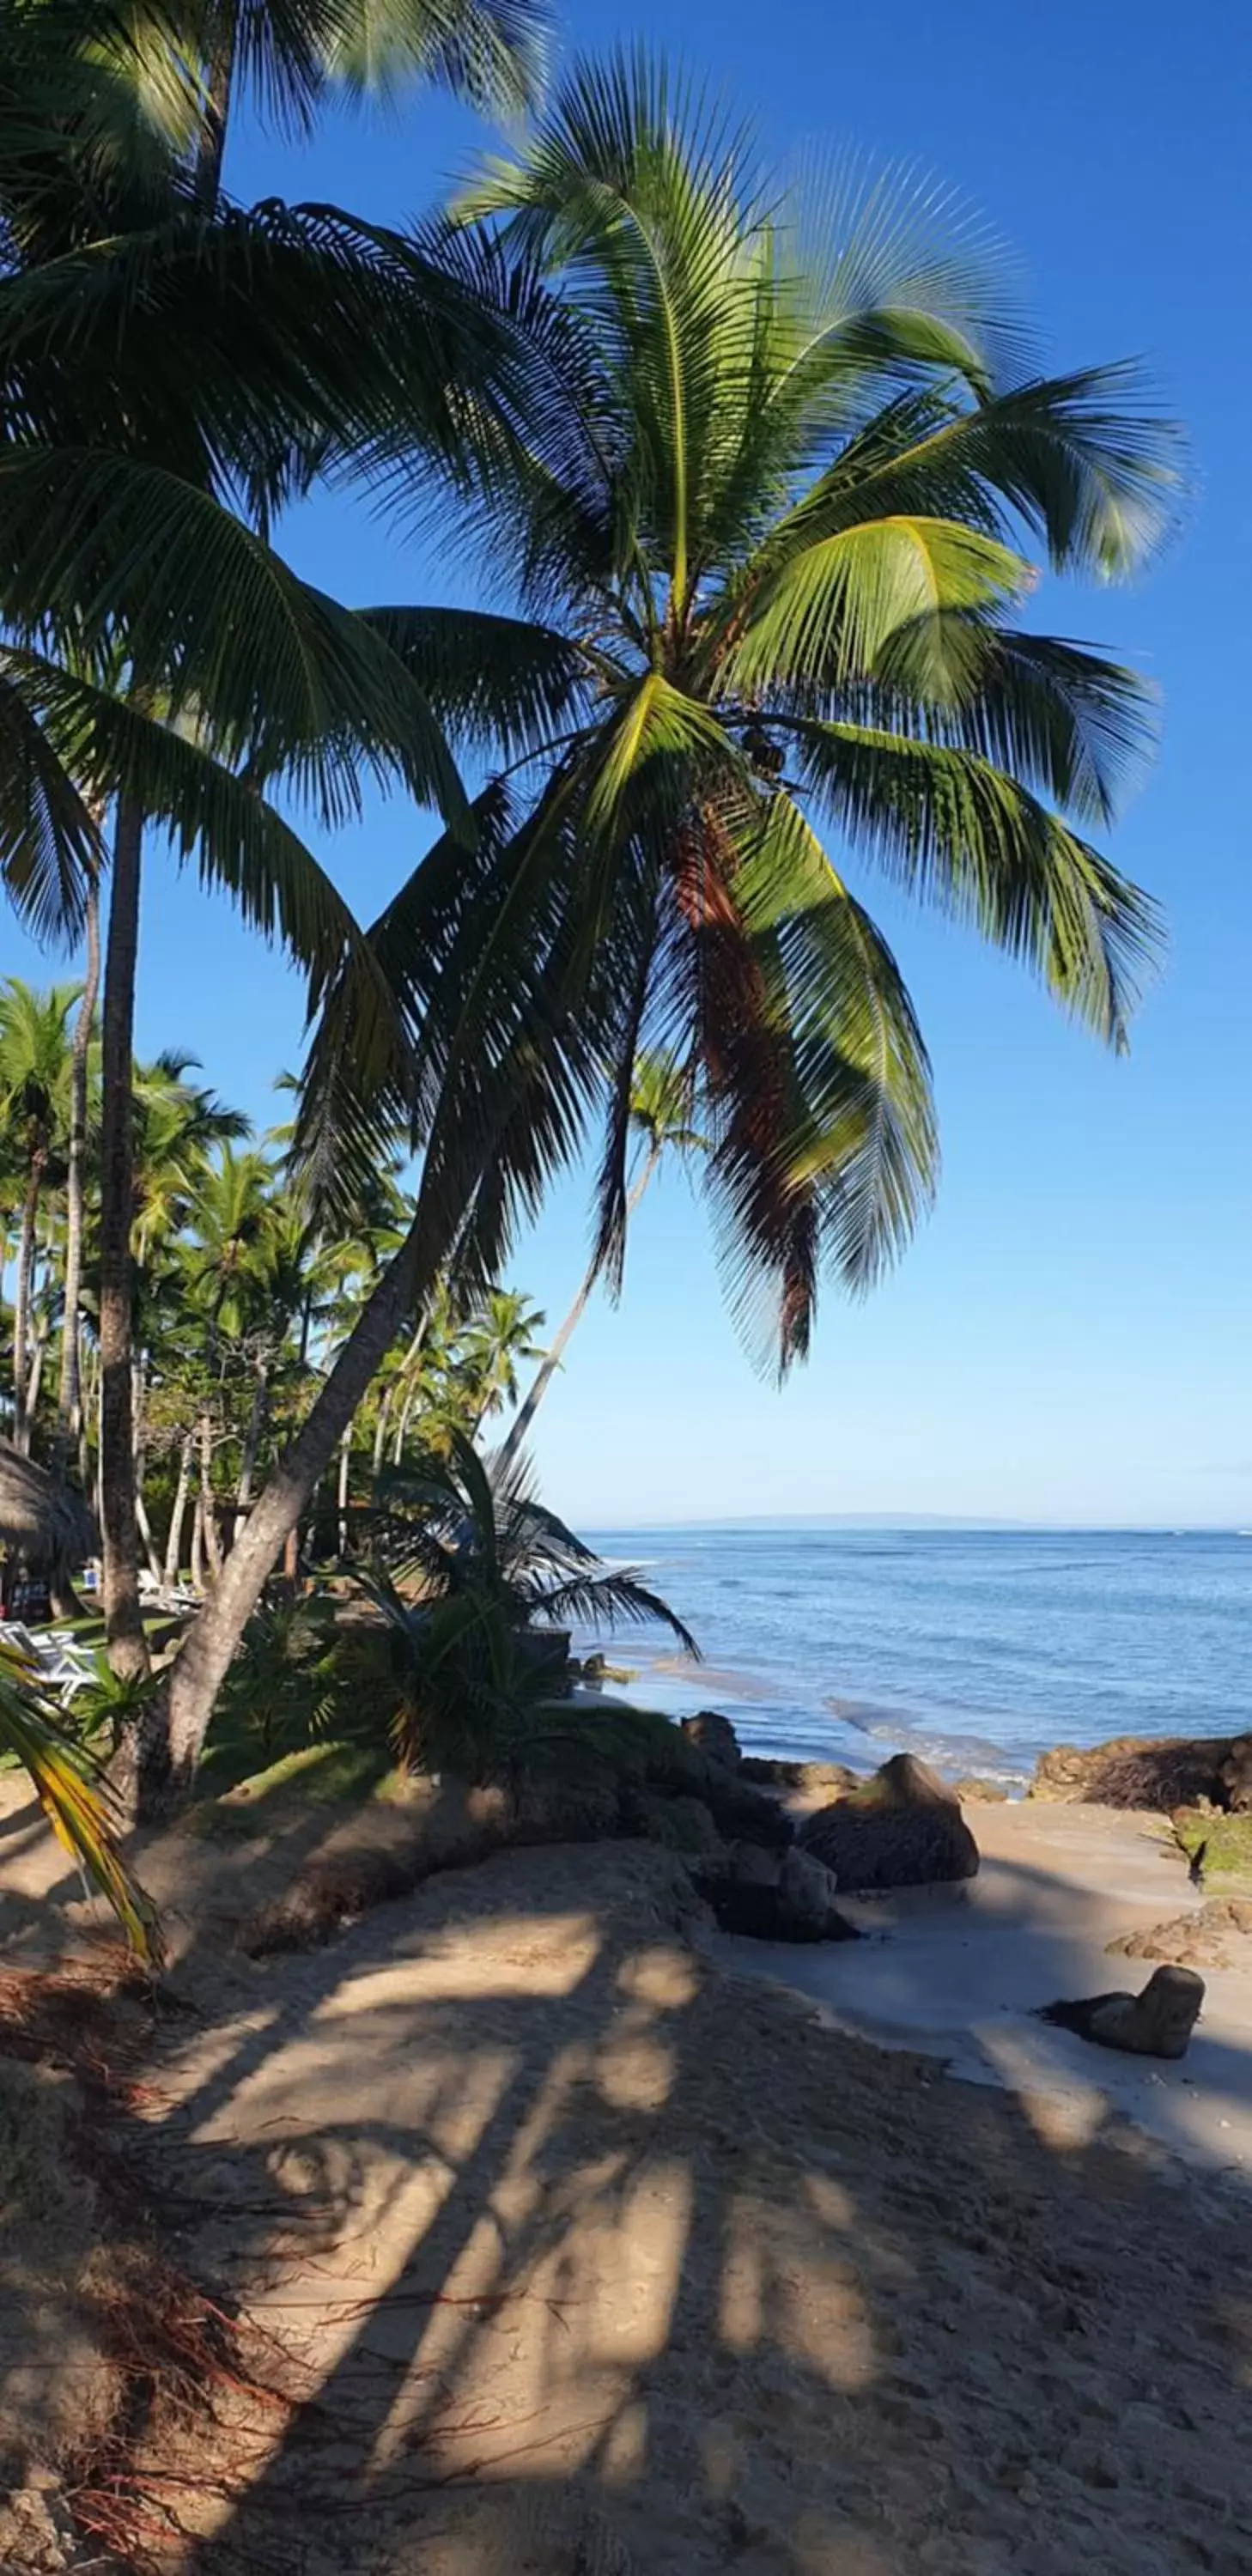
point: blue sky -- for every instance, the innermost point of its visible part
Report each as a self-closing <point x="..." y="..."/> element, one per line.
<point x="1068" y="1338"/>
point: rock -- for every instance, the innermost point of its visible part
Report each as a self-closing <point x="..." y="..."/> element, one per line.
<point x="903" y="1828"/>
<point x="768" y="1896"/>
<point x="1234" y="1778"/>
<point x="680" y="1824"/>
<point x="1156" y="2023"/>
<point x="985" y="1792"/>
<point x="742" y="1814"/>
<point x="814" y="1779"/>
<point x="713" y="1735"/>
<point x="1157" y="1773"/>
<point x="1196" y="1940"/>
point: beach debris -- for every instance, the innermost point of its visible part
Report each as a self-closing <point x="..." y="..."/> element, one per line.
<point x="714" y="1736"/>
<point x="902" y="1828"/>
<point x="1156" y="2023"/>
<point x="774" y="1896"/>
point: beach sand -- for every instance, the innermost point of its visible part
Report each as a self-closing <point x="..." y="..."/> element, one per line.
<point x="589" y="2252"/>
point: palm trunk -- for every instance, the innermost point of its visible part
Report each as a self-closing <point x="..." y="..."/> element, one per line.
<point x="219" y="82"/>
<point x="252" y="1438"/>
<point x="179" y="1723"/>
<point x="208" y="1508"/>
<point x="145" y="1532"/>
<point x="21" y="1304"/>
<point x="33" y="1381"/>
<point x="547" y="1369"/>
<point x="345" y="1475"/>
<point x="70" y="1388"/>
<point x="197" y="1545"/>
<point x="123" y="1624"/>
<point x="178" y="1514"/>
<point x="380" y="1432"/>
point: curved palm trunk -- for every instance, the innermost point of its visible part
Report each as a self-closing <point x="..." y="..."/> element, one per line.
<point x="70" y="1387"/>
<point x="520" y="1426"/>
<point x="123" y="1624"/>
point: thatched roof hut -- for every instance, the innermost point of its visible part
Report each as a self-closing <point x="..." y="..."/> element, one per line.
<point x="43" y="1523"/>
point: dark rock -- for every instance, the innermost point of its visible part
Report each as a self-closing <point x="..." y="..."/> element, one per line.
<point x="1157" y="2023"/>
<point x="1234" y="1778"/>
<point x="714" y="1736"/>
<point x="743" y="1814"/>
<point x="1157" y="1773"/>
<point x="682" y="1824"/>
<point x="903" y="1828"/>
<point x="767" y="1896"/>
<point x="833" y="1779"/>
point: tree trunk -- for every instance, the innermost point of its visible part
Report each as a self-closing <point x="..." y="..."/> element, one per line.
<point x="21" y="1303"/>
<point x="70" y="1388"/>
<point x="548" y="1366"/>
<point x="252" y="1437"/>
<point x="210" y="1644"/>
<point x="208" y="1508"/>
<point x="344" y="1485"/>
<point x="145" y="1532"/>
<point x="197" y="1545"/>
<point x="380" y="1432"/>
<point x="34" y="1380"/>
<point x="174" y="1539"/>
<point x="123" y="1625"/>
<point x="219" y="82"/>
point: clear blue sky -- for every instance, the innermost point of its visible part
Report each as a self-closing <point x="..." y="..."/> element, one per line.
<point x="1068" y="1339"/>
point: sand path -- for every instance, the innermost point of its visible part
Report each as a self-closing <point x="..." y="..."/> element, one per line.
<point x="590" y="2256"/>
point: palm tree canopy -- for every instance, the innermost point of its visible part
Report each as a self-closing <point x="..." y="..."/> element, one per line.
<point x="761" y="569"/>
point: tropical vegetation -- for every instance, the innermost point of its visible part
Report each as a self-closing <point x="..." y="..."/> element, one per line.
<point x="757" y="485"/>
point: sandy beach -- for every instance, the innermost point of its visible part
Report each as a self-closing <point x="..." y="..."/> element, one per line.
<point x="585" y="2247"/>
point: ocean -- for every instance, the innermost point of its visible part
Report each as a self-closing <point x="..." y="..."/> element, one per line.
<point x="975" y="1648"/>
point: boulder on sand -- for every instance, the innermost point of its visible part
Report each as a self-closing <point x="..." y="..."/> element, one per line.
<point x="1157" y="2023"/>
<point x="775" y="1896"/>
<point x="903" y="1828"/>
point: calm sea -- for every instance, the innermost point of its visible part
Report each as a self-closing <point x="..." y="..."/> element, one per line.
<point x="974" y="1648"/>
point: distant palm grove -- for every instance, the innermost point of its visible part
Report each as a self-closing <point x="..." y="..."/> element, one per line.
<point x="758" y="485"/>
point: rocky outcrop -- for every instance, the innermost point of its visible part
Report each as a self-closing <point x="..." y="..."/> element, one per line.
<point x="1157" y="2023"/>
<point x="1158" y="1773"/>
<point x="1201" y="1939"/>
<point x="714" y="1736"/>
<point x="979" y="1792"/>
<point x="903" y="1828"/>
<point x="773" y="1896"/>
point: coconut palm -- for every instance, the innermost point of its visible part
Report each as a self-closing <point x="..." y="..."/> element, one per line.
<point x="660" y="1117"/>
<point x="175" y="371"/>
<point x="35" y="1075"/>
<point x="762" y="563"/>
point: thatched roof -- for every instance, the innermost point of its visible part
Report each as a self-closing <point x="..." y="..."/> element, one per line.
<point x="41" y="1520"/>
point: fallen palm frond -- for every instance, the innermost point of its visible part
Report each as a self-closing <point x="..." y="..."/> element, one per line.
<point x="74" y="1795"/>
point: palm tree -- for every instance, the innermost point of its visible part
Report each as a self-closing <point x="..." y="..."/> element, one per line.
<point x="70" y="1390"/>
<point x="487" y="51"/>
<point x="660" y="1115"/>
<point x="500" y="1337"/>
<point x="175" y="372"/>
<point x="493" y="1568"/>
<point x="34" y="1107"/>
<point x="766" y="542"/>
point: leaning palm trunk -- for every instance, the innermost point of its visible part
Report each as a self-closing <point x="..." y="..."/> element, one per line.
<point x="70" y="1389"/>
<point x="123" y="1623"/>
<point x="519" y="1429"/>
